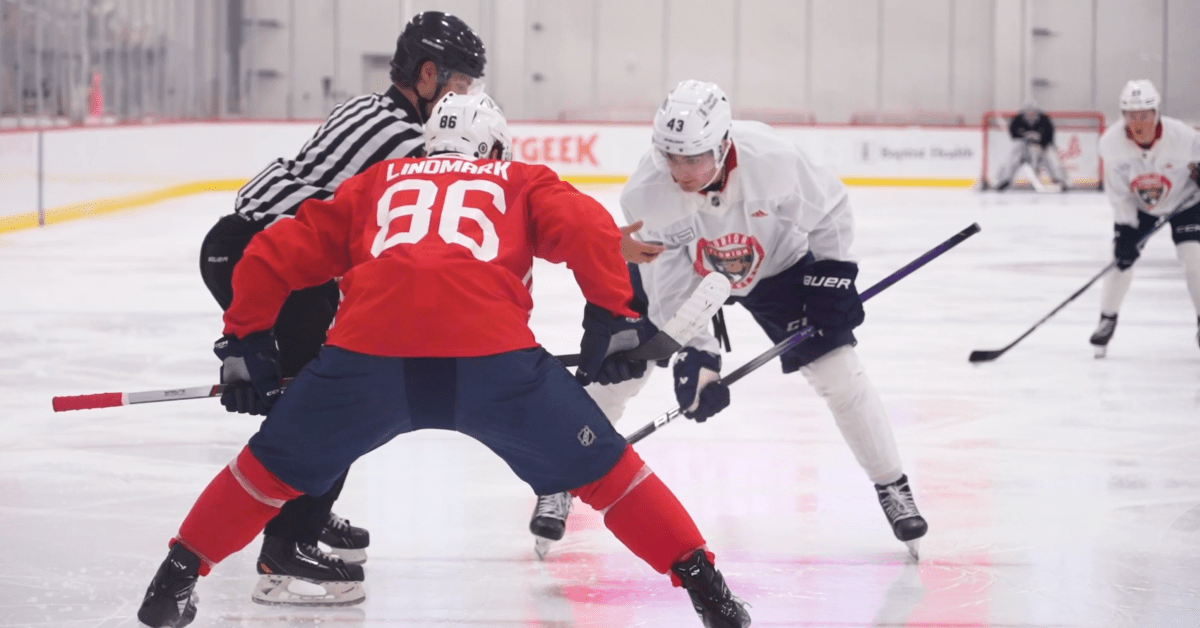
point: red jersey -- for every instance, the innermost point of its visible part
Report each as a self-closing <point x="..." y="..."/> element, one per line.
<point x="435" y="255"/>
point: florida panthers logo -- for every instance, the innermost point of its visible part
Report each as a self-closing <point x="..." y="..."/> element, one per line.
<point x="1150" y="188"/>
<point x="735" y="255"/>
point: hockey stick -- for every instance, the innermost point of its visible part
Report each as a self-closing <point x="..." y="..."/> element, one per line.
<point x="689" y="320"/>
<point x="987" y="355"/>
<point x="809" y="331"/>
<point x="693" y="315"/>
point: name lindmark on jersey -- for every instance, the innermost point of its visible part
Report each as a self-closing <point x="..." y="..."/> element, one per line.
<point x="736" y="255"/>
<point x="442" y="166"/>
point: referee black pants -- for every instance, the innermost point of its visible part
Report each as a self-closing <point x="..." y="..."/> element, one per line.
<point x="300" y="332"/>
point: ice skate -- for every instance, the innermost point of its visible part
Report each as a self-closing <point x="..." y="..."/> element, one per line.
<point x="302" y="575"/>
<point x="549" y="522"/>
<point x="345" y="541"/>
<point x="716" y="606"/>
<point x="1104" y="333"/>
<point x="907" y="523"/>
<point x="170" y="601"/>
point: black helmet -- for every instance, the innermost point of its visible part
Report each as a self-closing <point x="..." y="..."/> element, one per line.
<point x="441" y="38"/>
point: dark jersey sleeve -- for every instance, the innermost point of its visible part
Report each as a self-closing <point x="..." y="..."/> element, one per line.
<point x="1019" y="126"/>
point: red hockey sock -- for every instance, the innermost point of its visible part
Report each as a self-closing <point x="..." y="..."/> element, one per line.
<point x="643" y="513"/>
<point x="232" y="510"/>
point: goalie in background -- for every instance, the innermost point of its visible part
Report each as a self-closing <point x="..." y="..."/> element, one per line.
<point x="1032" y="132"/>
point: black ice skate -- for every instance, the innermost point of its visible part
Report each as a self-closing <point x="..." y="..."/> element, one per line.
<point x="907" y="523"/>
<point x="302" y="575"/>
<point x="716" y="606"/>
<point x="549" y="522"/>
<point x="345" y="541"/>
<point x="1104" y="333"/>
<point x="170" y="601"/>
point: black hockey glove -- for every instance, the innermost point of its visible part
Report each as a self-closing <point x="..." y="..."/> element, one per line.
<point x="697" y="390"/>
<point x="831" y="300"/>
<point x="1125" y="248"/>
<point x="250" y="372"/>
<point x="606" y="338"/>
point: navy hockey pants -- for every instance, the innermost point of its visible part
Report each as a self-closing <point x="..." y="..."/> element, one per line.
<point x="777" y="304"/>
<point x="523" y="405"/>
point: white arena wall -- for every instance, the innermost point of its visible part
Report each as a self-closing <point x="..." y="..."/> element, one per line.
<point x="90" y="171"/>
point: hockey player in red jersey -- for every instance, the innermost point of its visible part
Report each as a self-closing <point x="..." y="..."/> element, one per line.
<point x="435" y="257"/>
<point x="436" y="53"/>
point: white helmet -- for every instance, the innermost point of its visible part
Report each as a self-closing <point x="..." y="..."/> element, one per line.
<point x="467" y="124"/>
<point x="1139" y="94"/>
<point x="693" y="119"/>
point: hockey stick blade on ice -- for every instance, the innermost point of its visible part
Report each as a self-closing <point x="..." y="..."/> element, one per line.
<point x="987" y="355"/>
<point x="693" y="315"/>
<point x="809" y="331"/>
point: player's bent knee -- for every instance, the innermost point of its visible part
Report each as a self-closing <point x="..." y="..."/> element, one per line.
<point x="836" y="373"/>
<point x="259" y="482"/>
<point x="1188" y="252"/>
<point x="618" y="482"/>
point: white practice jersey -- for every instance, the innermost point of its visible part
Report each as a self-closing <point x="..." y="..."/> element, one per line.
<point x="776" y="206"/>
<point x="1156" y="181"/>
<point x="358" y="134"/>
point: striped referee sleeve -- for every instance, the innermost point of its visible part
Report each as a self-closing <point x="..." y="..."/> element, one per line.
<point x="358" y="134"/>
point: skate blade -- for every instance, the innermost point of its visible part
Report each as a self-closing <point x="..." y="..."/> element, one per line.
<point x="541" y="547"/>
<point x="348" y="556"/>
<point x="288" y="591"/>
<point x="914" y="548"/>
<point x="1101" y="351"/>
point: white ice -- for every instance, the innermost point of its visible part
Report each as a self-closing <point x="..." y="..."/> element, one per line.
<point x="1061" y="490"/>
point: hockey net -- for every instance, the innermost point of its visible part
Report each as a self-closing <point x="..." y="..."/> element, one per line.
<point x="1076" y="135"/>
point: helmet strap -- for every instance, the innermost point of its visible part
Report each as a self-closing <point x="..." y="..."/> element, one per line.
<point x="423" y="102"/>
<point x="714" y="184"/>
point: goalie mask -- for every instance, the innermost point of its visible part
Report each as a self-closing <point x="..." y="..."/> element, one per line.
<point x="691" y="125"/>
<point x="472" y="125"/>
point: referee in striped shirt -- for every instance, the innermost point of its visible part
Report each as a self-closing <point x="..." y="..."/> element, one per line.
<point x="435" y="54"/>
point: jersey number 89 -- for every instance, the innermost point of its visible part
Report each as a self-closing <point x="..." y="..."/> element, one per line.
<point x="453" y="212"/>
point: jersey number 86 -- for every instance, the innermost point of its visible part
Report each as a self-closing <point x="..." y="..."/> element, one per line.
<point x="452" y="214"/>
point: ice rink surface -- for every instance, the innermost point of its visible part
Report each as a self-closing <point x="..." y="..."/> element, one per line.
<point x="1060" y="490"/>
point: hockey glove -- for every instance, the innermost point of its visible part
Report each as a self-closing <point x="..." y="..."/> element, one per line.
<point x="606" y="338"/>
<point x="250" y="372"/>
<point x="697" y="390"/>
<point x="1125" y="245"/>
<point x="831" y="300"/>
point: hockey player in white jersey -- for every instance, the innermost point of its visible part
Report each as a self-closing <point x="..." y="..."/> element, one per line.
<point x="1150" y="172"/>
<point x="732" y="197"/>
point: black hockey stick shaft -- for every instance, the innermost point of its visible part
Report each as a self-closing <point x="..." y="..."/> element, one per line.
<point x="809" y="331"/>
<point x="987" y="355"/>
